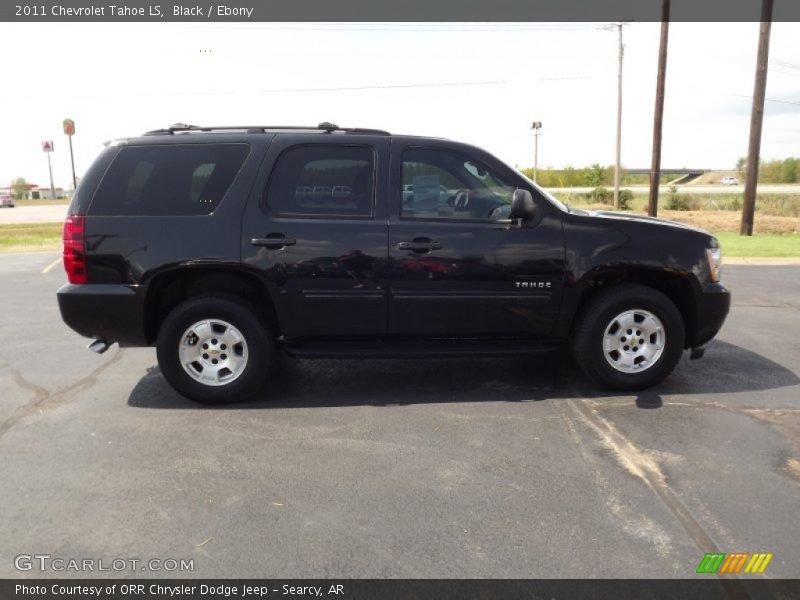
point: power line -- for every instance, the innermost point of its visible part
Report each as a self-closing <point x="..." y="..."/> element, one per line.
<point x="772" y="100"/>
<point x="771" y="69"/>
<point x="443" y="84"/>
<point x="786" y="64"/>
<point x="377" y="87"/>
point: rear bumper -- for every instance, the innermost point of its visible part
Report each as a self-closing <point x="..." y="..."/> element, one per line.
<point x="114" y="313"/>
<point x="713" y="306"/>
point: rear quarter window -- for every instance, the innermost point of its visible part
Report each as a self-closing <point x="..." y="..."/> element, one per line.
<point x="168" y="180"/>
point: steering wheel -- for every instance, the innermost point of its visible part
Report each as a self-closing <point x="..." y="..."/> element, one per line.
<point x="500" y="212"/>
<point x="461" y="199"/>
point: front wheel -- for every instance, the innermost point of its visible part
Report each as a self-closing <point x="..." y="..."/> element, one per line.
<point x="630" y="337"/>
<point x="214" y="350"/>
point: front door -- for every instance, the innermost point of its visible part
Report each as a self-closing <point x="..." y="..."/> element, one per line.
<point x="458" y="268"/>
<point x="315" y="229"/>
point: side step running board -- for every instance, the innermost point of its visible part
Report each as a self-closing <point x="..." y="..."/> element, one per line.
<point x="438" y="349"/>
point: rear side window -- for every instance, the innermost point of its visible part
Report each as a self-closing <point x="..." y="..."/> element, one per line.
<point x="323" y="180"/>
<point x="175" y="179"/>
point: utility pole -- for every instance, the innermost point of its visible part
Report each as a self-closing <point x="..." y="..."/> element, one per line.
<point x="537" y="128"/>
<point x="619" y="119"/>
<point x="52" y="187"/>
<point x="756" y="120"/>
<point x="658" y="119"/>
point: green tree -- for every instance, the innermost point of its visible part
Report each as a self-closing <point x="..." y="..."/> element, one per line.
<point x="789" y="170"/>
<point x="774" y="171"/>
<point x="19" y="187"/>
<point x="595" y="175"/>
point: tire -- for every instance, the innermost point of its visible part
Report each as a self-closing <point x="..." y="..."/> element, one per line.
<point x="598" y="334"/>
<point x="239" y="368"/>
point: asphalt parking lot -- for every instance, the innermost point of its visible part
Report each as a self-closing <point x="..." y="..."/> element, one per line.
<point x="509" y="468"/>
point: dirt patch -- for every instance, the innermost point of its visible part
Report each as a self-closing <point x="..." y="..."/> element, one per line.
<point x="715" y="220"/>
<point x="716" y="176"/>
<point x="729" y="220"/>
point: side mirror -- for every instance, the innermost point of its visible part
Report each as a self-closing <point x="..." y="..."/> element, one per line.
<point x="522" y="206"/>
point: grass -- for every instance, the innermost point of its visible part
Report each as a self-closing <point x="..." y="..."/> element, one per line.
<point x="56" y="202"/>
<point x="30" y="237"/>
<point x="767" y="245"/>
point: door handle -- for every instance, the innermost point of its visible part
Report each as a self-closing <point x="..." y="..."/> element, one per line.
<point x="419" y="246"/>
<point x="273" y="242"/>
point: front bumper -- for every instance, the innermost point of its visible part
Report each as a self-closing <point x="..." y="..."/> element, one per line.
<point x="712" y="308"/>
<point x="114" y="313"/>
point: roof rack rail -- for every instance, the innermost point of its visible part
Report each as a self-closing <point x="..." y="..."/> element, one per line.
<point x="326" y="127"/>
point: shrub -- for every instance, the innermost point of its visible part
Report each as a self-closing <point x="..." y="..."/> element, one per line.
<point x="683" y="202"/>
<point x="677" y="202"/>
<point x="625" y="197"/>
<point x="692" y="202"/>
<point x="600" y="194"/>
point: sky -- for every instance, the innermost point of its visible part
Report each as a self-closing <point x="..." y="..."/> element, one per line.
<point x="478" y="83"/>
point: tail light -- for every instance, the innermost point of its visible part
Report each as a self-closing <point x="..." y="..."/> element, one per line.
<point x="74" y="249"/>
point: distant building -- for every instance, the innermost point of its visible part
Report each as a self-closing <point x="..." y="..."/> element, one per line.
<point x="35" y="192"/>
<point x="43" y="193"/>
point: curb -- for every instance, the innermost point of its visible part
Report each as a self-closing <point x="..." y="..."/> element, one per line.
<point x="766" y="261"/>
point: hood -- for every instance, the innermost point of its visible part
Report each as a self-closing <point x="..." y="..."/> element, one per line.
<point x="619" y="216"/>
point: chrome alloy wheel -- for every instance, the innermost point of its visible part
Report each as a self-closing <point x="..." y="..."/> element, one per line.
<point x="633" y="341"/>
<point x="213" y="352"/>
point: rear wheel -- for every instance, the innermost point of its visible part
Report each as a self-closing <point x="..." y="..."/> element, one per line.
<point x="214" y="350"/>
<point x="629" y="337"/>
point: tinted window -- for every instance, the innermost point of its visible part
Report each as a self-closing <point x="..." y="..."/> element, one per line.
<point x="440" y="184"/>
<point x="335" y="181"/>
<point x="177" y="179"/>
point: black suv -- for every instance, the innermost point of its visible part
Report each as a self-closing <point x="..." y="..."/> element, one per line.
<point x="223" y="245"/>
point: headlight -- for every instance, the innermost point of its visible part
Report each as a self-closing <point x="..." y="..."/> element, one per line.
<point x="714" y="256"/>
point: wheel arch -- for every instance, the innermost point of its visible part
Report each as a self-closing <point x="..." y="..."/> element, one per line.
<point x="171" y="287"/>
<point x="675" y="285"/>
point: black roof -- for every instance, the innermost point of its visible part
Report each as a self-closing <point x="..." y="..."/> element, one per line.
<point x="322" y="127"/>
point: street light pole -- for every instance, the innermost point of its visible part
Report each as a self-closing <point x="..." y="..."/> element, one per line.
<point x="537" y="127"/>
<point x="52" y="187"/>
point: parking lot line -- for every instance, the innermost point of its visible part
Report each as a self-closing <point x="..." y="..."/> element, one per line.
<point x="49" y="267"/>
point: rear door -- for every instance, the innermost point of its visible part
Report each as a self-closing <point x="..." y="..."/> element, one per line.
<point x="323" y="255"/>
<point x="458" y="270"/>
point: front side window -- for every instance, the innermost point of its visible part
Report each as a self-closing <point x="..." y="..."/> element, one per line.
<point x="168" y="180"/>
<point x="323" y="180"/>
<point x="440" y="184"/>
